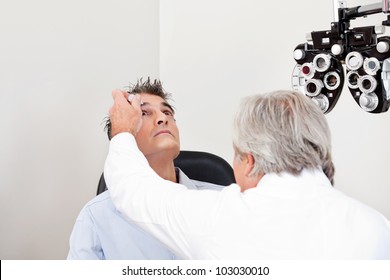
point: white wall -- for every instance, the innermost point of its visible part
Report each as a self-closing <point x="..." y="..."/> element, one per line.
<point x="213" y="53"/>
<point x="59" y="61"/>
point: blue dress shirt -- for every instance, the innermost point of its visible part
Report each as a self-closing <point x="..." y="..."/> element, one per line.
<point x="101" y="232"/>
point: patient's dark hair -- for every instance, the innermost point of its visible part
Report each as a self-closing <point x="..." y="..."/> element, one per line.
<point x="153" y="88"/>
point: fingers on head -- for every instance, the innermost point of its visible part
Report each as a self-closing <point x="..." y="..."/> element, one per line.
<point x="119" y="94"/>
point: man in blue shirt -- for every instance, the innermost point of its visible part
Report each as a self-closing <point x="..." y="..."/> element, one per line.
<point x="100" y="231"/>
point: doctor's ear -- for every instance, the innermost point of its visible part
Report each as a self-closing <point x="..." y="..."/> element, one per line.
<point x="249" y="163"/>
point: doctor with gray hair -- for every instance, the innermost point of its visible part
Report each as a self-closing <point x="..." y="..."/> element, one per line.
<point x="284" y="205"/>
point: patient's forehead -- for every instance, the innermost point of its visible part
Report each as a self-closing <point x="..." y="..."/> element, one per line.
<point x="155" y="100"/>
<point x="151" y="97"/>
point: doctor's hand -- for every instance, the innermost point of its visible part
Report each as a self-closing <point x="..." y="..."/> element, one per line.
<point x="125" y="116"/>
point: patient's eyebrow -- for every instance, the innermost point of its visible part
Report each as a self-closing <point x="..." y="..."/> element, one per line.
<point x="164" y="104"/>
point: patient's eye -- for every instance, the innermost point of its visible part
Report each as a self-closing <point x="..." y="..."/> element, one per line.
<point x="168" y="113"/>
<point x="146" y="113"/>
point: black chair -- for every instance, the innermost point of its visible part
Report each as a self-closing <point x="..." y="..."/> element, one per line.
<point x="201" y="166"/>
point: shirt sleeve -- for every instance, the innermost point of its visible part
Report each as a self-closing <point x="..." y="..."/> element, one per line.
<point x="169" y="211"/>
<point x="84" y="241"/>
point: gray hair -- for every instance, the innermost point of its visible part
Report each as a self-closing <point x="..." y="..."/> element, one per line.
<point x="283" y="131"/>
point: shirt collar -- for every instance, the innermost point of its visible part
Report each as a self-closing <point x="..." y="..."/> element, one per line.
<point x="184" y="180"/>
<point x="310" y="180"/>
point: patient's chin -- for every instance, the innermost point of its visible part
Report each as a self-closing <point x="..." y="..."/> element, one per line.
<point x="169" y="146"/>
